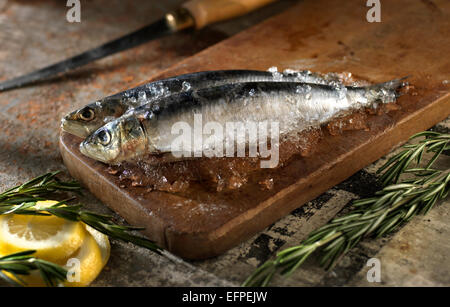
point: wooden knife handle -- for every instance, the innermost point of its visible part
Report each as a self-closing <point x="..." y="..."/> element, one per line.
<point x="206" y="12"/>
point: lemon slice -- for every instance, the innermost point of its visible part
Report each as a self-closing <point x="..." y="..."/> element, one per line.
<point x="87" y="262"/>
<point x="53" y="238"/>
<point x="81" y="249"/>
<point x="85" y="265"/>
<point x="82" y="267"/>
<point x="102" y="242"/>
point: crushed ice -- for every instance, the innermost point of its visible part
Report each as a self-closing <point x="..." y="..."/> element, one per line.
<point x="186" y="86"/>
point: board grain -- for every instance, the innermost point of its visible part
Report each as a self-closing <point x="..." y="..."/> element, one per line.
<point x="412" y="39"/>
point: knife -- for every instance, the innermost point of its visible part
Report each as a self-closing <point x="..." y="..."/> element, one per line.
<point x="192" y="14"/>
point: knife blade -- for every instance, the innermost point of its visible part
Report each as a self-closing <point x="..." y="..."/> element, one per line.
<point x="194" y="13"/>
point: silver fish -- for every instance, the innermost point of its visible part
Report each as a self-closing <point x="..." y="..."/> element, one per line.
<point x="86" y="120"/>
<point x="295" y="106"/>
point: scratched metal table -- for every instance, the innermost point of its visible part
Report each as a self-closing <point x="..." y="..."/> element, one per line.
<point x="36" y="33"/>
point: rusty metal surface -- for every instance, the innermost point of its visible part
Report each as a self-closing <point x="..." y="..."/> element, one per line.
<point x="34" y="33"/>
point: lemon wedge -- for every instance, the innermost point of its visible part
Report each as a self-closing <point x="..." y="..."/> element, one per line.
<point x="53" y="238"/>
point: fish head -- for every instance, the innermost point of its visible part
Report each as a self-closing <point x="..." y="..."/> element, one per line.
<point x="86" y="120"/>
<point x="120" y="140"/>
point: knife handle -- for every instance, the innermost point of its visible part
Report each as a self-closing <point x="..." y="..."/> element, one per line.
<point x="206" y="12"/>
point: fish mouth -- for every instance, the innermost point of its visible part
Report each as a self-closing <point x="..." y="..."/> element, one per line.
<point x="91" y="152"/>
<point x="84" y="149"/>
<point x="74" y="128"/>
<point x="63" y="125"/>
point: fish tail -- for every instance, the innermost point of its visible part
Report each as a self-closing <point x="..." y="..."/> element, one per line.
<point x="386" y="91"/>
<point x="392" y="85"/>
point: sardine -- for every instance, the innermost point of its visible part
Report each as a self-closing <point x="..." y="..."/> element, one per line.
<point x="86" y="120"/>
<point x="295" y="106"/>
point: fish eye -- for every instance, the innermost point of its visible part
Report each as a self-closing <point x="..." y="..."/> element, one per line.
<point x="87" y="114"/>
<point x="104" y="137"/>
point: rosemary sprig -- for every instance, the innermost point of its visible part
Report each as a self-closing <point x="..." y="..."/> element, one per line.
<point x="22" y="200"/>
<point x="35" y="189"/>
<point x="23" y="264"/>
<point x="433" y="142"/>
<point x="100" y="222"/>
<point x="391" y="207"/>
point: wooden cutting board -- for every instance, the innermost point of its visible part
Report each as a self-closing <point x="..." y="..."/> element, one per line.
<point x="412" y="39"/>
